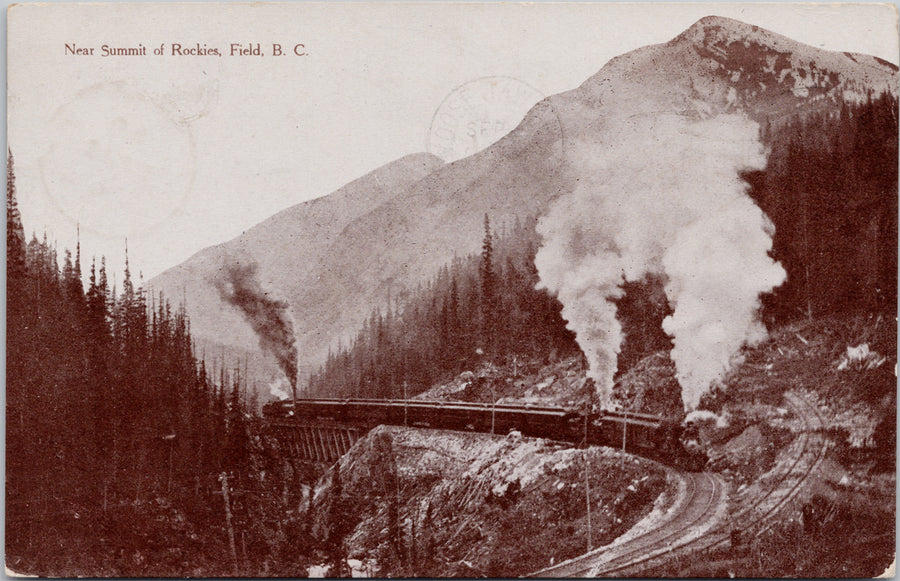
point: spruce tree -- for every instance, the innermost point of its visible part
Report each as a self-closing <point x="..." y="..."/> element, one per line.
<point x="488" y="289"/>
<point x="15" y="233"/>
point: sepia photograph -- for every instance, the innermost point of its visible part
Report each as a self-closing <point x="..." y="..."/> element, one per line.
<point x="451" y="289"/>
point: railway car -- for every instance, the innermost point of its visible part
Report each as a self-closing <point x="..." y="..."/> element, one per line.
<point x="643" y="434"/>
<point x="632" y="433"/>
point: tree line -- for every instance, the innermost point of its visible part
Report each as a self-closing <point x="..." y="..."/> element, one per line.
<point x="481" y="307"/>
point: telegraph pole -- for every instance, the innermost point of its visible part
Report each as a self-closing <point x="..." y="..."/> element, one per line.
<point x="224" y="479"/>
<point x="493" y="405"/>
<point x="587" y="464"/>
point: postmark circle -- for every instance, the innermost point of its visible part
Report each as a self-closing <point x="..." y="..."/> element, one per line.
<point x="478" y="113"/>
<point x="117" y="164"/>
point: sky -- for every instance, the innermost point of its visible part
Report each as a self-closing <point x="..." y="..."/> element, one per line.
<point x="179" y="152"/>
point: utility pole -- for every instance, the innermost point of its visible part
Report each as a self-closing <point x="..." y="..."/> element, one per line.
<point x="587" y="464"/>
<point x="405" y="402"/>
<point x="587" y="493"/>
<point x="224" y="479"/>
<point x="493" y="405"/>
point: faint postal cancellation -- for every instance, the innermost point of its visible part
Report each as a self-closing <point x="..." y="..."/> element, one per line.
<point x="478" y="113"/>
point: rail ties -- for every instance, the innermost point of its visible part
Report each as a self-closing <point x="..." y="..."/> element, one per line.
<point x="808" y="460"/>
<point x="700" y="519"/>
<point x="681" y="533"/>
<point x="697" y="511"/>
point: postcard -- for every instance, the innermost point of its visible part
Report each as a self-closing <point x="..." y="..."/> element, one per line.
<point x="451" y="289"/>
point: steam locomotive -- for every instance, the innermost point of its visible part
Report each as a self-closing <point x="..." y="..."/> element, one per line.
<point x="643" y="434"/>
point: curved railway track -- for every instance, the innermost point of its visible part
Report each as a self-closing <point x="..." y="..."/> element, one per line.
<point x="695" y="525"/>
<point x="755" y="514"/>
<point x="697" y="510"/>
<point x="809" y="458"/>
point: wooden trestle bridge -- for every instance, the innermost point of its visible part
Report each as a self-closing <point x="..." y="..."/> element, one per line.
<point x="316" y="442"/>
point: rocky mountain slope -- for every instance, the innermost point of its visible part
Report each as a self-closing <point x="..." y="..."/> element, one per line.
<point x="723" y="65"/>
<point x="336" y="258"/>
<point x="423" y="503"/>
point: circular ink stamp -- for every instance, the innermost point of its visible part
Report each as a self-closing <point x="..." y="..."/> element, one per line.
<point x="477" y="114"/>
<point x="118" y="163"/>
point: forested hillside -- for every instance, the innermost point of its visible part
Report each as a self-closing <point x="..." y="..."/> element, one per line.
<point x="483" y="308"/>
<point x="830" y="188"/>
<point x="115" y="433"/>
<point x="480" y="307"/>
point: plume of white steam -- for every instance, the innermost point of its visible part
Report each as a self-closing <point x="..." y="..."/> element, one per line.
<point x="280" y="388"/>
<point x="722" y="421"/>
<point x="662" y="194"/>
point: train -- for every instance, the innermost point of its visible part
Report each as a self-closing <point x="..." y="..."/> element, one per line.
<point x="638" y="433"/>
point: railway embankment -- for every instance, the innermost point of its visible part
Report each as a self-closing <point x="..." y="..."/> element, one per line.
<point x="419" y="502"/>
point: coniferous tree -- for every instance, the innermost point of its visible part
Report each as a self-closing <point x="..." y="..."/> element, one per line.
<point x="440" y="326"/>
<point x="488" y="289"/>
<point x="15" y="233"/>
<point x="830" y="188"/>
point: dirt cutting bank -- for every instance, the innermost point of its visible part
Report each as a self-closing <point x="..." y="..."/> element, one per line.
<point x="418" y="502"/>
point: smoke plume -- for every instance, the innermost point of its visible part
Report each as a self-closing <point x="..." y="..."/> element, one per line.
<point x="662" y="194"/>
<point x="269" y="317"/>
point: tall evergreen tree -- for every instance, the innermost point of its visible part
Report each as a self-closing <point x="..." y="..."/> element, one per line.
<point x="15" y="233"/>
<point x="488" y="289"/>
<point x="830" y="188"/>
<point x="439" y="328"/>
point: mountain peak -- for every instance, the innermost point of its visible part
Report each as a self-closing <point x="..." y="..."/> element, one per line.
<point x="724" y="65"/>
<point x="718" y="31"/>
<point x="705" y="25"/>
<point x="337" y="258"/>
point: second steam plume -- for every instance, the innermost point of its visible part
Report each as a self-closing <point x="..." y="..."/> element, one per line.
<point x="662" y="195"/>
<point x="269" y="317"/>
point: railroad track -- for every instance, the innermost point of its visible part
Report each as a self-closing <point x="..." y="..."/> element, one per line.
<point x="758" y="513"/>
<point x="695" y="525"/>
<point x="698" y="510"/>
<point x="760" y="509"/>
<point x="813" y="448"/>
